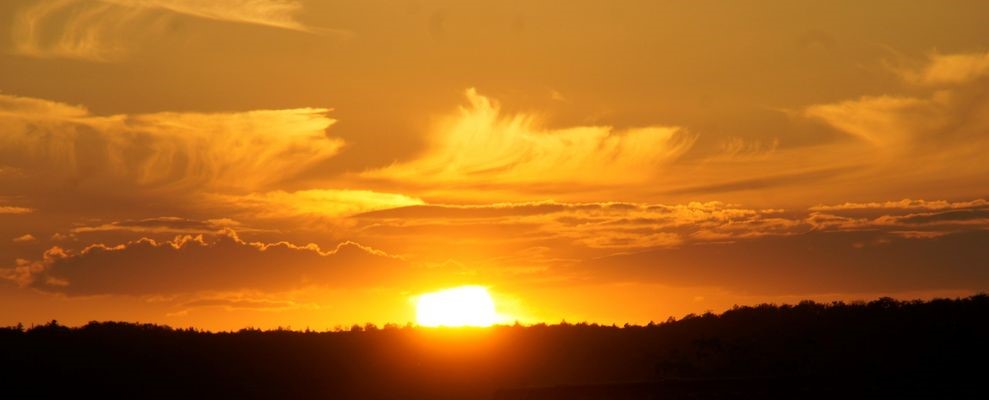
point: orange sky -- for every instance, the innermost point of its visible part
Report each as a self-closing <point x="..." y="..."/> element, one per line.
<point x="318" y="163"/>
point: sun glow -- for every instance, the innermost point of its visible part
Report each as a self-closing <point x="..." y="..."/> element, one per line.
<point x="460" y="306"/>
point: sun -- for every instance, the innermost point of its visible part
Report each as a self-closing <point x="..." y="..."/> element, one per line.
<point x="460" y="306"/>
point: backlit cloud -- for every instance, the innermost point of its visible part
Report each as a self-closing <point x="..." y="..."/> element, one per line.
<point x="949" y="69"/>
<point x="884" y="120"/>
<point x="170" y="225"/>
<point x="57" y="145"/>
<point x="699" y="243"/>
<point x="332" y="203"/>
<point x="907" y="218"/>
<point x="105" y="30"/>
<point x="274" y="13"/>
<point x="483" y="144"/>
<point x="25" y="238"/>
<point x="601" y="226"/>
<point x="907" y="204"/>
<point x="921" y="141"/>
<point x="14" y="210"/>
<point x="944" y="119"/>
<point x="206" y="263"/>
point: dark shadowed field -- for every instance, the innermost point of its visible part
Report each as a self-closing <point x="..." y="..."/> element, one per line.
<point x="881" y="349"/>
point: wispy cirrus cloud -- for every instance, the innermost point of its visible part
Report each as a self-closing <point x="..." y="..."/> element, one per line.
<point x="105" y="30"/>
<point x="930" y="139"/>
<point x="482" y="143"/>
<point x="56" y="145"/>
<point x="275" y="13"/>
<point x="949" y="69"/>
<point x="887" y="121"/>
<point x="947" y="118"/>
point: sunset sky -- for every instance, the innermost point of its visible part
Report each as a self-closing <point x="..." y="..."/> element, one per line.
<point x="313" y="163"/>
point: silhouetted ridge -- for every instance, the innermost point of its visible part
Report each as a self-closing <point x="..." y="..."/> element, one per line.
<point x="809" y="350"/>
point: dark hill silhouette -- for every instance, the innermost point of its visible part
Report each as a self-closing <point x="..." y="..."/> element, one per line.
<point x="884" y="348"/>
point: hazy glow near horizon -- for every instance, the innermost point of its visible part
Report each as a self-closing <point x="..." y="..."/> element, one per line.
<point x="460" y="306"/>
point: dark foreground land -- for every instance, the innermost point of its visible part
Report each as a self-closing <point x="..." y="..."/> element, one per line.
<point x="881" y="349"/>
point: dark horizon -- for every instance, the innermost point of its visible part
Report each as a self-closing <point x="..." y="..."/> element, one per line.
<point x="879" y="348"/>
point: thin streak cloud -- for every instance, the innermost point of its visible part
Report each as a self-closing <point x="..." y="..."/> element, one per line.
<point x="106" y="30"/>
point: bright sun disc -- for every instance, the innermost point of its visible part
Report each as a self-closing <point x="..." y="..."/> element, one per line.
<point x="461" y="306"/>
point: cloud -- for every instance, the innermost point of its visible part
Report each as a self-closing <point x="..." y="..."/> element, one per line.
<point x="199" y="263"/>
<point x="949" y="117"/>
<point x="883" y="120"/>
<point x="242" y="302"/>
<point x="921" y="145"/>
<point x="170" y="225"/>
<point x="950" y="69"/>
<point x="481" y="143"/>
<point x="594" y="225"/>
<point x="814" y="262"/>
<point x="273" y="13"/>
<point x="473" y="211"/>
<point x="28" y="108"/>
<point x="59" y="146"/>
<point x="25" y="238"/>
<point x="907" y="218"/>
<point x="105" y="30"/>
<point x="739" y="148"/>
<point x="700" y="244"/>
<point x="905" y="204"/>
<point x="769" y="181"/>
<point x="331" y="203"/>
<point x="620" y="226"/>
<point x="14" y="210"/>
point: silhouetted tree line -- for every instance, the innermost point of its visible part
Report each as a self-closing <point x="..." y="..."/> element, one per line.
<point x="882" y="348"/>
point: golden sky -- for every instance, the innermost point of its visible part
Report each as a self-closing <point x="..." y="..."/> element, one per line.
<point x="311" y="163"/>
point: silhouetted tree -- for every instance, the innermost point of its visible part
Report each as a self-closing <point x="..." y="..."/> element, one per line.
<point x="882" y="348"/>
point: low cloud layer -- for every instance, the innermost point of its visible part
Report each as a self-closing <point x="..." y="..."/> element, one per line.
<point x="812" y="263"/>
<point x="629" y="225"/>
<point x="896" y="245"/>
<point x="595" y="225"/>
<point x="200" y="263"/>
<point x="906" y="245"/>
<point x="165" y="225"/>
